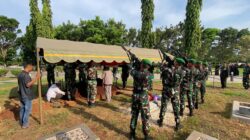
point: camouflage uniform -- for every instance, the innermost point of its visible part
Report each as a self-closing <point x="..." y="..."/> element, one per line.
<point x="171" y="79"/>
<point x="246" y="73"/>
<point x="196" y="85"/>
<point x="204" y="77"/>
<point x="140" y="102"/>
<point x="70" y="80"/>
<point x="50" y="74"/>
<point x="186" y="88"/>
<point x="92" y="84"/>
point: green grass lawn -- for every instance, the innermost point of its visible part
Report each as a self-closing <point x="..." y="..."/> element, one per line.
<point x="213" y="117"/>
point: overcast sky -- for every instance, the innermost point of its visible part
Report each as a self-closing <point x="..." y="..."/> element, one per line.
<point x="215" y="13"/>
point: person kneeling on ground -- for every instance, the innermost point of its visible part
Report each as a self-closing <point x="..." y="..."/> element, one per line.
<point x="54" y="93"/>
<point x="107" y="77"/>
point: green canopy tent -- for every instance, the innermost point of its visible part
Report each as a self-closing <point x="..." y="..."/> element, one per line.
<point x="58" y="51"/>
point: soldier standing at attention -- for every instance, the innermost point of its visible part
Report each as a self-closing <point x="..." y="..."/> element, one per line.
<point x="50" y="74"/>
<point x="125" y="75"/>
<point x="171" y="79"/>
<point x="246" y="72"/>
<point x="82" y="73"/>
<point x="224" y="73"/>
<point x="196" y="83"/>
<point x="186" y="87"/>
<point x="140" y="101"/>
<point x="70" y="80"/>
<point x="204" y="77"/>
<point x="92" y="84"/>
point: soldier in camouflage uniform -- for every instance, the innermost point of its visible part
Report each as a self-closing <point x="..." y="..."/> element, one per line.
<point x="140" y="101"/>
<point x="204" y="77"/>
<point x="171" y="79"/>
<point x="70" y="80"/>
<point x="196" y="83"/>
<point x="92" y="84"/>
<point x="50" y="74"/>
<point x="83" y="78"/>
<point x="186" y="87"/>
<point x="246" y="72"/>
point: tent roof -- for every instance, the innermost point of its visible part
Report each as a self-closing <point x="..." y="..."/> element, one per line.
<point x="71" y="51"/>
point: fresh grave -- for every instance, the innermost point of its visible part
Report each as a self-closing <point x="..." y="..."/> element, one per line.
<point x="80" y="132"/>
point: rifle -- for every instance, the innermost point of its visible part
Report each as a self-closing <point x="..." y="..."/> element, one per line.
<point x="177" y="53"/>
<point x="132" y="57"/>
<point x="166" y="58"/>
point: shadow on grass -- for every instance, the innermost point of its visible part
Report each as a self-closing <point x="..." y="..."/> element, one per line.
<point x="181" y="135"/>
<point x="122" y="99"/>
<point x="226" y="113"/>
<point x="87" y="115"/>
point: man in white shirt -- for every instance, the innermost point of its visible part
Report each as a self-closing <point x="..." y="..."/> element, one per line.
<point x="54" y="92"/>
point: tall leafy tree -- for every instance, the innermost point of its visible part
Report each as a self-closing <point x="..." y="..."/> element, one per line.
<point x="29" y="39"/>
<point x="115" y="32"/>
<point x="192" y="36"/>
<point x="8" y="35"/>
<point x="244" y="44"/>
<point x="40" y="25"/>
<point x="131" y="37"/>
<point x="147" y="16"/>
<point x="209" y="36"/>
<point x="47" y="19"/>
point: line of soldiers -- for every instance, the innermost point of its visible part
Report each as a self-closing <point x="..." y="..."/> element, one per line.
<point x="178" y="76"/>
<point x="87" y="77"/>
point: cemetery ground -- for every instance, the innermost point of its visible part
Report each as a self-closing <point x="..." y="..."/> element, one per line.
<point x="108" y="122"/>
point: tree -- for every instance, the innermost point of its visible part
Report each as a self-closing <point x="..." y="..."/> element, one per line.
<point x="244" y="44"/>
<point x="93" y="30"/>
<point x="68" y="31"/>
<point x="8" y="35"/>
<point x="40" y="26"/>
<point x="192" y="36"/>
<point x="115" y="32"/>
<point x="131" y="37"/>
<point x="209" y="37"/>
<point x="147" y="16"/>
<point x="47" y="19"/>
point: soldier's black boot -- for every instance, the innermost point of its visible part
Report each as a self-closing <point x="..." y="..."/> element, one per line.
<point x="202" y="101"/>
<point x="146" y="137"/>
<point x="191" y="113"/>
<point x="196" y="105"/>
<point x="132" y="136"/>
<point x="181" y="112"/>
<point x="89" y="104"/>
<point x="160" y="122"/>
<point x="178" y="125"/>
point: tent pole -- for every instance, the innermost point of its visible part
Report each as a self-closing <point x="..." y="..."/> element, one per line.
<point x="39" y="87"/>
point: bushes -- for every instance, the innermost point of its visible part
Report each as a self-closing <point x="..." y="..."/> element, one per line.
<point x="15" y="72"/>
<point x="3" y="72"/>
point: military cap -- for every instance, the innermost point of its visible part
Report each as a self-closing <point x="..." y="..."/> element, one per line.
<point x="180" y="60"/>
<point x="198" y="62"/>
<point x="205" y="63"/>
<point x="193" y="61"/>
<point x="146" y="62"/>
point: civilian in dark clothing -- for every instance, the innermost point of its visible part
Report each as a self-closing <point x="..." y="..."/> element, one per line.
<point x="224" y="73"/>
<point x="25" y="84"/>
